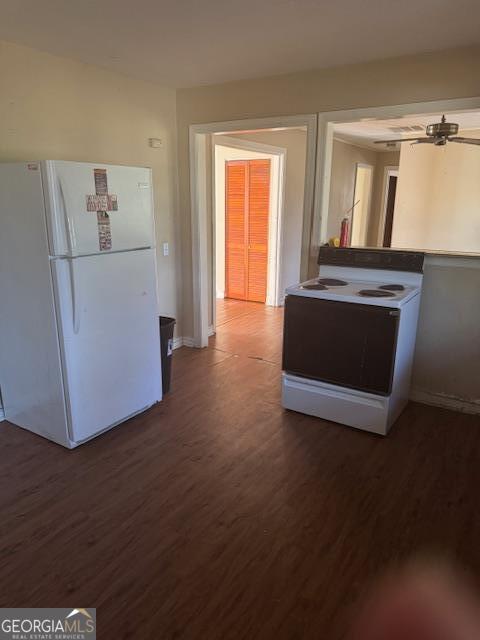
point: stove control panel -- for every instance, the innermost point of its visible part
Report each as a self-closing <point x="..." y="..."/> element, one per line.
<point x="390" y="259"/>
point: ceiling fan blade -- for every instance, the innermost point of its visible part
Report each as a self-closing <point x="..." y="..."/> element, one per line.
<point x="398" y="140"/>
<point x="465" y="140"/>
<point x="424" y="141"/>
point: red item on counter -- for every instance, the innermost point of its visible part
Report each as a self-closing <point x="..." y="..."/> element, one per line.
<point x="344" y="232"/>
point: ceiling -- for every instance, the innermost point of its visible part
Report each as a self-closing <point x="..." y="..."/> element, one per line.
<point x="183" y="43"/>
<point x="365" y="132"/>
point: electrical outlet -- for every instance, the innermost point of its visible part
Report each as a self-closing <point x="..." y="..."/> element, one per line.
<point x="165" y="249"/>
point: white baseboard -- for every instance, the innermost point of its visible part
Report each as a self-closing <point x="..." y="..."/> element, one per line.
<point x="177" y="342"/>
<point x="186" y="341"/>
<point x="182" y="341"/>
<point x="446" y="401"/>
<point x="220" y="294"/>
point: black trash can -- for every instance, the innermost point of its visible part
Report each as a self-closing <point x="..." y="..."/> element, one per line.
<point x="166" y="350"/>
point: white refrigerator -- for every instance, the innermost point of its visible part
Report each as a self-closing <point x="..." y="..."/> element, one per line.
<point x="79" y="332"/>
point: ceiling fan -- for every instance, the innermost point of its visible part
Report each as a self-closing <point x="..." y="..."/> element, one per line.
<point x="438" y="134"/>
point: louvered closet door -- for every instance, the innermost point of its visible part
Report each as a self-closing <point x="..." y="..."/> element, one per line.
<point x="235" y="230"/>
<point x="246" y="230"/>
<point x="258" y="210"/>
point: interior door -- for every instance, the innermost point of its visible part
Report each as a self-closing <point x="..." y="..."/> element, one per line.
<point x="258" y="215"/>
<point x="236" y="203"/>
<point x="389" y="210"/>
<point x="109" y="324"/>
<point x="95" y="208"/>
<point x="247" y="210"/>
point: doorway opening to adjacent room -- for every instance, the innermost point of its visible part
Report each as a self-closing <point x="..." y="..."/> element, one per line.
<point x="362" y="202"/>
<point x="423" y="195"/>
<point x="252" y="200"/>
<point x="385" y="228"/>
<point x="249" y="189"/>
<point x="259" y="182"/>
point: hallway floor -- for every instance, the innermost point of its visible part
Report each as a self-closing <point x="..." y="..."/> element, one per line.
<point x="217" y="515"/>
<point x="249" y="328"/>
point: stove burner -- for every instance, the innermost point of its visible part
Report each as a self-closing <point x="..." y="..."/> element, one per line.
<point x="332" y="282"/>
<point x="392" y="287"/>
<point x="315" y="287"/>
<point x="375" y="293"/>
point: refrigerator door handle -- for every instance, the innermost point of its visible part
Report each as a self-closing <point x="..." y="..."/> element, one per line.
<point x="75" y="298"/>
<point x="69" y="224"/>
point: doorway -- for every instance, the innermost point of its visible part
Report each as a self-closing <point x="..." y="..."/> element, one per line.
<point x="292" y="235"/>
<point x="237" y="148"/>
<point x="330" y="123"/>
<point x="388" y="206"/>
<point x="247" y="209"/>
<point x="362" y="198"/>
<point x="259" y="179"/>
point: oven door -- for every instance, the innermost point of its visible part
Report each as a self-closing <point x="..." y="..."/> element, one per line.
<point x="347" y="344"/>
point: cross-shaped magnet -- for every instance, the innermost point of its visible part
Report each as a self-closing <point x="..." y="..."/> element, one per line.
<point x="101" y="202"/>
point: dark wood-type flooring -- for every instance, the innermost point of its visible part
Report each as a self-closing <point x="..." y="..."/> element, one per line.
<point x="217" y="515"/>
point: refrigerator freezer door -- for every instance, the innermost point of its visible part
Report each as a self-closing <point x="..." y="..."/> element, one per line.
<point x="109" y="325"/>
<point x="95" y="208"/>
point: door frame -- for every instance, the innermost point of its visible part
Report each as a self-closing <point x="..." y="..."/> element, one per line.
<point x="201" y="202"/>
<point x="278" y="155"/>
<point x="362" y="165"/>
<point x="325" y="133"/>
<point x="389" y="170"/>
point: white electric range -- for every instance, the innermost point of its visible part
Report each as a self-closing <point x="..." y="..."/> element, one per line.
<point x="349" y="337"/>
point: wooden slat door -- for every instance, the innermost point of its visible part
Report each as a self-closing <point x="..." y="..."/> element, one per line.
<point x="236" y="199"/>
<point x="258" y="210"/>
<point x="247" y="209"/>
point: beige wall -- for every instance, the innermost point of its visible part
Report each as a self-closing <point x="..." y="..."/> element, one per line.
<point x="447" y="357"/>
<point x="345" y="157"/>
<point x="438" y="197"/>
<point x="55" y="108"/>
<point x="432" y="76"/>
<point x="342" y="183"/>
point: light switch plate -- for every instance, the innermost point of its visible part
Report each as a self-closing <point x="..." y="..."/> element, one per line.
<point x="155" y="143"/>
